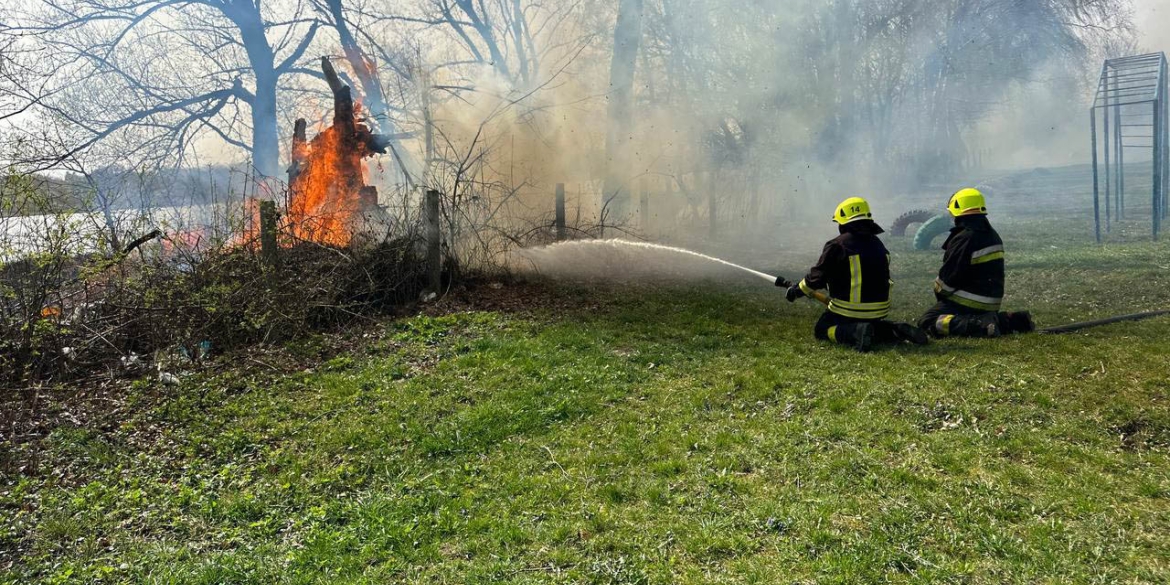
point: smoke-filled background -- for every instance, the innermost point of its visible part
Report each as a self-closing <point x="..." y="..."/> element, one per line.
<point x="671" y="119"/>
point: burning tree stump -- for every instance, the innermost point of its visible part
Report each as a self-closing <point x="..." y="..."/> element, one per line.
<point x="327" y="191"/>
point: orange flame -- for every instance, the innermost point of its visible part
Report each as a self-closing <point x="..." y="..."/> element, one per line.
<point x="325" y="196"/>
<point x="327" y="190"/>
<point x="324" y="199"/>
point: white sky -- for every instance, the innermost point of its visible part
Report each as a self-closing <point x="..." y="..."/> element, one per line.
<point x="1152" y="18"/>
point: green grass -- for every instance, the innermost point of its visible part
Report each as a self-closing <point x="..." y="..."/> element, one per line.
<point x="653" y="435"/>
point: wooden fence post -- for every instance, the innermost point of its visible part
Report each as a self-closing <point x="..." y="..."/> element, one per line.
<point x="434" y="252"/>
<point x="268" y="233"/>
<point x="644" y="208"/>
<point x="560" y="211"/>
<point x="712" y="204"/>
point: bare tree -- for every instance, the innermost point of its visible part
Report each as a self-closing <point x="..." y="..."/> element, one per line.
<point x="627" y="37"/>
<point x="12" y="78"/>
<point x="169" y="71"/>
<point x="364" y="65"/>
<point x="905" y="79"/>
<point x="496" y="33"/>
<point x="411" y="60"/>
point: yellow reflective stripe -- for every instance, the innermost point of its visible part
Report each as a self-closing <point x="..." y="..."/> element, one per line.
<point x="862" y="306"/>
<point x="965" y="298"/>
<point x="855" y="279"/>
<point x="978" y="298"/>
<point x="874" y="314"/>
<point x="833" y="334"/>
<point x="858" y="314"/>
<point x="987" y="258"/>
<point x="805" y="288"/>
<point x="944" y="325"/>
<point x="973" y="304"/>
<point x="986" y="251"/>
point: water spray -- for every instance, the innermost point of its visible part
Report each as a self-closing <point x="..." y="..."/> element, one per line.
<point x="660" y="247"/>
<point x="584" y="256"/>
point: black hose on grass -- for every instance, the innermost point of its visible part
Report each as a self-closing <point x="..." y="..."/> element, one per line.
<point x="1071" y="327"/>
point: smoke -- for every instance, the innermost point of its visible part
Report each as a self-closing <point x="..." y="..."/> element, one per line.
<point x="751" y="119"/>
<point x="765" y="114"/>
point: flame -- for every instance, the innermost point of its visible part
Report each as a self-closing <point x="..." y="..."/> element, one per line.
<point x="327" y="183"/>
<point x="186" y="240"/>
<point x="324" y="198"/>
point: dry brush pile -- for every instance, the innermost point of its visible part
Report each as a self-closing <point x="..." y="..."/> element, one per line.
<point x="71" y="308"/>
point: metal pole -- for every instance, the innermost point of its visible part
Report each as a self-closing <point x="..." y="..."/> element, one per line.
<point x="1096" y="198"/>
<point x="1157" y="199"/>
<point x="1121" y="169"/>
<point x="560" y="211"/>
<point x="1108" y="169"/>
<point x="1119" y="148"/>
<point x="1165" y="135"/>
<point x="434" y="253"/>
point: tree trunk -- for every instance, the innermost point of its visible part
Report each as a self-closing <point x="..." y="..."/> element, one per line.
<point x="627" y="36"/>
<point x="519" y="34"/>
<point x="375" y="100"/>
<point x="265" y="138"/>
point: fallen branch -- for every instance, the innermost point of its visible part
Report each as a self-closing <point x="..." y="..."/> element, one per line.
<point x="140" y="241"/>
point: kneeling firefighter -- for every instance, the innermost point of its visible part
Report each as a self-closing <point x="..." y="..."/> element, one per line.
<point x="855" y="267"/>
<point x="970" y="284"/>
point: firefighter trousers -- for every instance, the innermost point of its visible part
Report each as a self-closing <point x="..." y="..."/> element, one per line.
<point x="947" y="319"/>
<point x="843" y="330"/>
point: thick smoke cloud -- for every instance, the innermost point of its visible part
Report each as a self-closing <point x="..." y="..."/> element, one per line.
<point x="759" y="114"/>
<point x="775" y="110"/>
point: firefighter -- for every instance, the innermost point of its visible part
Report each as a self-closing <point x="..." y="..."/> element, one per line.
<point x="969" y="286"/>
<point x="855" y="267"/>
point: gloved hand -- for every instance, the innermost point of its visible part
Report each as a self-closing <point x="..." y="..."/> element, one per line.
<point x="793" y="293"/>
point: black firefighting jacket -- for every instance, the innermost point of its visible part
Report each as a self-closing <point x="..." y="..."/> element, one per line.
<point x="972" y="270"/>
<point x="855" y="267"/>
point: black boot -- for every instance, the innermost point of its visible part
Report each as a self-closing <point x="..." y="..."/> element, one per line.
<point x="987" y="326"/>
<point x="858" y="335"/>
<point x="1019" y="322"/>
<point x="910" y="334"/>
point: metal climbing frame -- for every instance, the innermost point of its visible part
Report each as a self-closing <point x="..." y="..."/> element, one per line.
<point x="1131" y="96"/>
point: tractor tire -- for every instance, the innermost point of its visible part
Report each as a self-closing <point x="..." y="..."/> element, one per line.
<point x="898" y="228"/>
<point x="933" y="228"/>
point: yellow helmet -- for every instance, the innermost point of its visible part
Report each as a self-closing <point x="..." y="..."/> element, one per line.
<point x="852" y="209"/>
<point x="967" y="202"/>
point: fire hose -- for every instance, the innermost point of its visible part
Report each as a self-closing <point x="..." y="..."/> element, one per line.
<point x="817" y="295"/>
<point x="1071" y="327"/>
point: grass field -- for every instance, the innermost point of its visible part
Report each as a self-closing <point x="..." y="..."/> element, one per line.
<point x="653" y="434"/>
